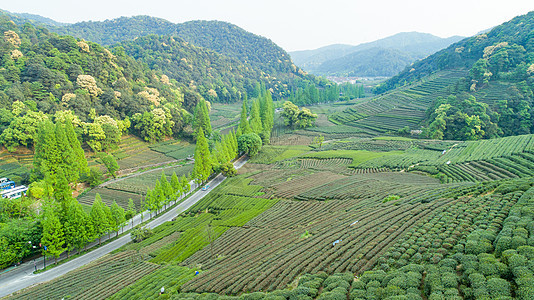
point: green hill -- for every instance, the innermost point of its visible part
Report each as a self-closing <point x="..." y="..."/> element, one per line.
<point x="505" y="49"/>
<point x="269" y="63"/>
<point x="490" y="95"/>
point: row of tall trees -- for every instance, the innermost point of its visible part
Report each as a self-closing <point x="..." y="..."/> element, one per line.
<point x="310" y="94"/>
<point x="165" y="191"/>
<point x="253" y="131"/>
<point x="72" y="228"/>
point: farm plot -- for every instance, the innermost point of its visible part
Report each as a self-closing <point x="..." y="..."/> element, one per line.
<point x="291" y="188"/>
<point x="358" y="156"/>
<point x="134" y="153"/>
<point x="170" y="277"/>
<point x="433" y="238"/>
<point x="175" y="149"/>
<point x="363" y="186"/>
<point x="333" y="236"/>
<point x="270" y="154"/>
<point x="377" y="145"/>
<point x="98" y="280"/>
<point x="225" y="207"/>
<point x="133" y="187"/>
<point x="108" y="195"/>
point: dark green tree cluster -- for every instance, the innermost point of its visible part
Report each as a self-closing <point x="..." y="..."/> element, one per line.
<point x="72" y="228"/>
<point x="164" y="192"/>
<point x="201" y="118"/>
<point x="255" y="130"/>
<point x="187" y="63"/>
<point x="462" y="117"/>
<point x="59" y="159"/>
<point x="297" y="118"/>
<point x="224" y="152"/>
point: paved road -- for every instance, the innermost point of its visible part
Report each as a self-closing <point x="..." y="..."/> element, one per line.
<point x="24" y="277"/>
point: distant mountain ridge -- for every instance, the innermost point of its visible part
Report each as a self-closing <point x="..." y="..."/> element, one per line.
<point x="403" y="48"/>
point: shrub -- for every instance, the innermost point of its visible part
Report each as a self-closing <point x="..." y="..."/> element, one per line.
<point x="498" y="287"/>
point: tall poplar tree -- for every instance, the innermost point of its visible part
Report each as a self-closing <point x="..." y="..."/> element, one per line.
<point x="267" y="112"/>
<point x="255" y="119"/>
<point x="118" y="216"/>
<point x="53" y="237"/>
<point x="203" y="163"/>
<point x="75" y="230"/>
<point x="79" y="155"/>
<point x="244" y="126"/>
<point x="186" y="186"/>
<point x="201" y="118"/>
<point x="176" y="185"/>
<point x="67" y="157"/>
<point x="99" y="218"/>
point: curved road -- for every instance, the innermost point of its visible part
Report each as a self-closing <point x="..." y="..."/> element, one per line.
<point x="20" y="280"/>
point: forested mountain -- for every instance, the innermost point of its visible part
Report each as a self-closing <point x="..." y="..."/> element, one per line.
<point x="269" y="63"/>
<point x="215" y="76"/>
<point x="368" y="62"/>
<point x="43" y="74"/>
<point x="496" y="96"/>
<point x="21" y="18"/>
<point x="345" y="60"/>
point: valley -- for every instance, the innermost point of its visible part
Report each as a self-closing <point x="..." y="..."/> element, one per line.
<point x="195" y="160"/>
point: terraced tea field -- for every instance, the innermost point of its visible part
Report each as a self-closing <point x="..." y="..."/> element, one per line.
<point x="395" y="110"/>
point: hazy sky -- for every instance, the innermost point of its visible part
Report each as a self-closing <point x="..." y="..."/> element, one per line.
<point x="298" y="24"/>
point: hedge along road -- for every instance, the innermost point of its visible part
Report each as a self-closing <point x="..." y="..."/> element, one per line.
<point x="20" y="280"/>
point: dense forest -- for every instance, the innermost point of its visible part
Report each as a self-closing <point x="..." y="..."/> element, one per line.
<point x="216" y="77"/>
<point x="256" y="54"/>
<point x="45" y="75"/>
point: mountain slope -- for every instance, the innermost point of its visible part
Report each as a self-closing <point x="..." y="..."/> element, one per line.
<point x="407" y="44"/>
<point x="370" y="62"/>
<point x="215" y="76"/>
<point x="261" y="55"/>
<point x="488" y="91"/>
<point x="21" y="18"/>
<point x="518" y="31"/>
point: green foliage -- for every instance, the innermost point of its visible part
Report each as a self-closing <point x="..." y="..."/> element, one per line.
<point x="53" y="233"/>
<point x="94" y="177"/>
<point x="295" y="118"/>
<point x="203" y="164"/>
<point x="249" y="143"/>
<point x="100" y="217"/>
<point x="139" y="234"/>
<point x="228" y="170"/>
<point x="110" y="162"/>
<point x="201" y="118"/>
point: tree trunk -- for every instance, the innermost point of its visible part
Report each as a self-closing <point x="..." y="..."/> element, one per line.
<point x="99" y="240"/>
